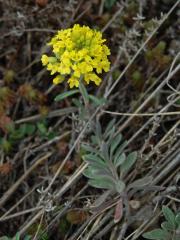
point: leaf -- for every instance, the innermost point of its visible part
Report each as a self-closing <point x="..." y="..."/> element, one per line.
<point x="98" y="130"/>
<point x="4" y="238"/>
<point x="104" y="150"/>
<point x="76" y="216"/>
<point x="84" y="92"/>
<point x="119" y="160"/>
<point x="157" y="234"/>
<point x="77" y="103"/>
<point x="89" y="149"/>
<point x="115" y="142"/>
<point x="169" y="216"/>
<point x="109" y="128"/>
<point x="91" y="158"/>
<point x="17" y="237"/>
<point x="119" y="150"/>
<point x="118" y="211"/>
<point x="65" y="95"/>
<point x="177" y="219"/>
<point x="120" y="186"/>
<point x="6" y="168"/>
<point x="42" y="128"/>
<point x="97" y="101"/>
<point x="103" y="182"/>
<point x="141" y="183"/>
<point x="130" y="160"/>
<point x="27" y="237"/>
<point x="30" y="129"/>
<point x="93" y="172"/>
<point x="167" y="226"/>
<point x="109" y="3"/>
<point x="94" y="139"/>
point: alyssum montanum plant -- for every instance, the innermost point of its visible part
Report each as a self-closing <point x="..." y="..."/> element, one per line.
<point x="78" y="53"/>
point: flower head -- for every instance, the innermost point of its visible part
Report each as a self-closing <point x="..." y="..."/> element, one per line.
<point x="78" y="52"/>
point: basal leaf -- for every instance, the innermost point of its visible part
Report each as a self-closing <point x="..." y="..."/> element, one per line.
<point x="130" y="160"/>
<point x="140" y="183"/>
<point x="89" y="149"/>
<point x="103" y="182"/>
<point x="120" y="150"/>
<point x="119" y="160"/>
<point x="115" y="142"/>
<point x="120" y="186"/>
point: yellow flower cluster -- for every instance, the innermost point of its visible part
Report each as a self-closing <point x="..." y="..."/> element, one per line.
<point x="79" y="52"/>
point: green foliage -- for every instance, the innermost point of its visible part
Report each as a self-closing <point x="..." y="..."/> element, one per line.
<point x="25" y="130"/>
<point x="109" y="3"/>
<point x="107" y="161"/>
<point x="65" y="95"/>
<point x="170" y="229"/>
<point x="16" y="237"/>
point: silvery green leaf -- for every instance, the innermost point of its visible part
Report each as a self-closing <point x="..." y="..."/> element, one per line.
<point x="120" y="186"/>
<point x="91" y="158"/>
<point x="167" y="226"/>
<point x="169" y="215"/>
<point x="120" y="149"/>
<point x="89" y="149"/>
<point x="110" y="134"/>
<point x="65" y="95"/>
<point x="115" y="142"/>
<point x="27" y="237"/>
<point x="90" y="172"/>
<point x="77" y="103"/>
<point x="177" y="219"/>
<point x="103" y="182"/>
<point x="104" y="150"/>
<point x="83" y="92"/>
<point x="109" y="128"/>
<point x="157" y="234"/>
<point x="97" y="101"/>
<point x="95" y="139"/>
<point x="98" y="130"/>
<point x="130" y="160"/>
<point x="119" y="160"/>
<point x="141" y="183"/>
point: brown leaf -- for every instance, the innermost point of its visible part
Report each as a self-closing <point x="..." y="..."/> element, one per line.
<point x="118" y="211"/>
<point x="42" y="3"/>
<point x="76" y="216"/>
<point x="5" y="168"/>
<point x="68" y="167"/>
<point x="6" y="123"/>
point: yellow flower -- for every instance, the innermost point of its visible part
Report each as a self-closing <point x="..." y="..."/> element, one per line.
<point x="79" y="52"/>
<point x="44" y="59"/>
<point x="73" y="82"/>
<point x="58" y="79"/>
